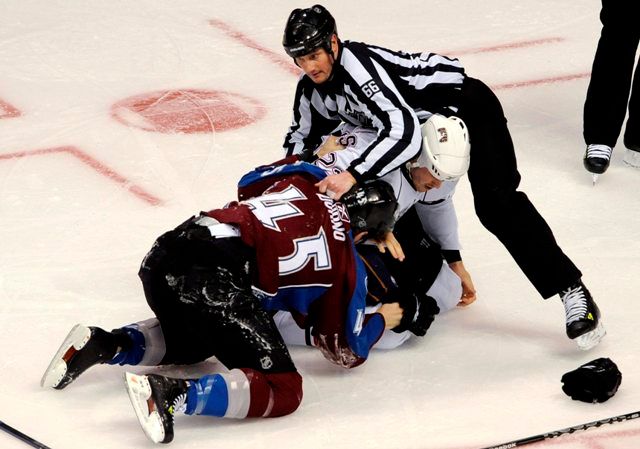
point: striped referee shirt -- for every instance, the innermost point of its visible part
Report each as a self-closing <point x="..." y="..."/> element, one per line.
<point x="392" y="92"/>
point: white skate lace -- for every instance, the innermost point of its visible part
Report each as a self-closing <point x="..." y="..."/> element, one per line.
<point x="599" y="151"/>
<point x="179" y="404"/>
<point x="575" y="304"/>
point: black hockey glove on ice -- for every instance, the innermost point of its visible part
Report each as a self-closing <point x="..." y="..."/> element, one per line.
<point x="419" y="311"/>
<point x="595" y="381"/>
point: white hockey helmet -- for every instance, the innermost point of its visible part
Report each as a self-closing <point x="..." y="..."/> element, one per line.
<point x="445" y="147"/>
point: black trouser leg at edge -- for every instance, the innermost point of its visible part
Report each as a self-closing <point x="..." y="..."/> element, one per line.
<point x="502" y="209"/>
<point x="632" y="132"/>
<point x="606" y="102"/>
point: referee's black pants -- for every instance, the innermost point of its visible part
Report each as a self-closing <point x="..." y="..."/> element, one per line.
<point x="501" y="208"/>
<point x="606" y="103"/>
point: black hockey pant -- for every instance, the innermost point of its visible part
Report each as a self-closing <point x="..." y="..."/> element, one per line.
<point x="606" y="103"/>
<point x="501" y="208"/>
<point x="200" y="290"/>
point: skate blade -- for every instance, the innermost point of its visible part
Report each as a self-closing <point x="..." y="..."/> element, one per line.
<point x="594" y="178"/>
<point x="74" y="341"/>
<point x="591" y="339"/>
<point x="139" y="391"/>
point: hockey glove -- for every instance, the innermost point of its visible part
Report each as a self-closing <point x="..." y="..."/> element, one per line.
<point x="419" y="313"/>
<point x="595" y="381"/>
<point x="307" y="155"/>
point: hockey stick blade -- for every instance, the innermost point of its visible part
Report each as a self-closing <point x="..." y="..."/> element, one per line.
<point x="568" y="430"/>
<point x="22" y="437"/>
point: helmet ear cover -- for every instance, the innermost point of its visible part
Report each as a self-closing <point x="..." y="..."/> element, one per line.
<point x="307" y="30"/>
<point x="371" y="207"/>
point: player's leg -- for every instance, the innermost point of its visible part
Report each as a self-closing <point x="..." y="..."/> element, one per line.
<point x="84" y="346"/>
<point x="213" y="313"/>
<point x="175" y="259"/>
<point x="141" y="343"/>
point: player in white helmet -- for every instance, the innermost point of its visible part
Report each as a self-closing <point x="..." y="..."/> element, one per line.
<point x="428" y="230"/>
<point x="445" y="148"/>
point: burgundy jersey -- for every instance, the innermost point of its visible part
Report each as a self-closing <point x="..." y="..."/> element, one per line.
<point x="305" y="258"/>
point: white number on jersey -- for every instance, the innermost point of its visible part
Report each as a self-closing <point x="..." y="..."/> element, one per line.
<point x="275" y="206"/>
<point x="306" y="249"/>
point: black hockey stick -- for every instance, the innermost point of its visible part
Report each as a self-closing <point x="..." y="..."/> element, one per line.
<point x="22" y="437"/>
<point x="559" y="433"/>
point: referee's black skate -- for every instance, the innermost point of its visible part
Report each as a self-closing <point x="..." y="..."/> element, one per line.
<point x="83" y="347"/>
<point x="582" y="316"/>
<point x="156" y="399"/>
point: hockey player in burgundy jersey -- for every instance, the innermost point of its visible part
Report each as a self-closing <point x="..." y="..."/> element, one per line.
<point x="212" y="283"/>
<point x="312" y="257"/>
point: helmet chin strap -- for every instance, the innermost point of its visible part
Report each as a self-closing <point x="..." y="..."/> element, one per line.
<point x="333" y="58"/>
<point x="333" y="61"/>
<point x="409" y="165"/>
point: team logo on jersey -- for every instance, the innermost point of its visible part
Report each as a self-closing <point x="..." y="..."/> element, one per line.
<point x="353" y="111"/>
<point x="344" y="214"/>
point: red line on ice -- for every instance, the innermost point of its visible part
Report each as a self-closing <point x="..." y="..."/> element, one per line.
<point x="95" y="164"/>
<point x="291" y="68"/>
<point x="550" y="80"/>
<point x="274" y="57"/>
<point x="507" y="46"/>
<point x="7" y="111"/>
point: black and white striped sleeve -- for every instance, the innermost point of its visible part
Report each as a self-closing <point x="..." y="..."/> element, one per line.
<point x="312" y="119"/>
<point x="399" y="137"/>
<point x="422" y="70"/>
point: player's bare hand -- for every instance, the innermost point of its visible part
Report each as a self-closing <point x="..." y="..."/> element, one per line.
<point x="392" y="314"/>
<point x="388" y="241"/>
<point x="329" y="146"/>
<point x="468" y="290"/>
<point x="336" y="185"/>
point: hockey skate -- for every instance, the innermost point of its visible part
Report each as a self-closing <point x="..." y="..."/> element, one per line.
<point x="82" y="348"/>
<point x="596" y="159"/>
<point x="582" y="317"/>
<point x="156" y="399"/>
